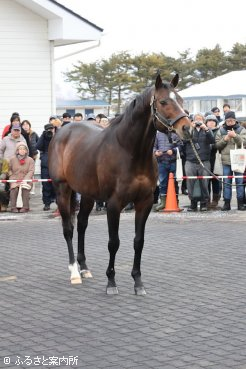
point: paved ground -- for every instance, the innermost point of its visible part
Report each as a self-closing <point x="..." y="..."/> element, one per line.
<point x="193" y="315"/>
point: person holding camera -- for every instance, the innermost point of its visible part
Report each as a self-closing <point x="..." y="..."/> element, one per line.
<point x="48" y="192"/>
<point x="214" y="185"/>
<point x="231" y="133"/>
<point x="202" y="138"/>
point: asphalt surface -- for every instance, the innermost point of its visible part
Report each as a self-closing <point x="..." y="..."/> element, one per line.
<point x="193" y="315"/>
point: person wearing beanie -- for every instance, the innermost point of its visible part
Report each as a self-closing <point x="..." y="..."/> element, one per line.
<point x="211" y="117"/>
<point x="230" y="115"/>
<point x="214" y="186"/>
<point x="230" y="134"/>
<point x="21" y="167"/>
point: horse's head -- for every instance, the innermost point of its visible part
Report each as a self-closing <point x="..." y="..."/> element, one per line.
<point x="167" y="110"/>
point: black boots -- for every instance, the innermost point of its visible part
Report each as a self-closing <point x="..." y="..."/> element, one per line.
<point x="240" y="204"/>
<point x="203" y="206"/>
<point x="193" y="206"/>
<point x="226" y="206"/>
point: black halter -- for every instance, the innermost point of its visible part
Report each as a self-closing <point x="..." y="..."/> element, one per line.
<point x="167" y="123"/>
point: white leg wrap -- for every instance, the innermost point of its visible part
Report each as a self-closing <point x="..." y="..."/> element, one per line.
<point x="75" y="275"/>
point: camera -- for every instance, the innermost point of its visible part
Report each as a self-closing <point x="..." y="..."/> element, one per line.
<point x="48" y="134"/>
<point x="198" y="124"/>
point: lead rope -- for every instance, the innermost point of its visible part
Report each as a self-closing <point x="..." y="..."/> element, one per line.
<point x="211" y="173"/>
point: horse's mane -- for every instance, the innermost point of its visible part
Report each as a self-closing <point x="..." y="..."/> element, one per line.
<point x="138" y="103"/>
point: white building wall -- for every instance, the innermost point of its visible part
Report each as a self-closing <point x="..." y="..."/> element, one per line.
<point x="25" y="66"/>
<point x="243" y="112"/>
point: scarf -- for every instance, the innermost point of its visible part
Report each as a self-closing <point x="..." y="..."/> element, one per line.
<point x="22" y="158"/>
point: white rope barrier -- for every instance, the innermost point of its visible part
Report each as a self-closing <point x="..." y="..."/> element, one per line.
<point x="177" y="178"/>
<point x="210" y="177"/>
<point x="24" y="180"/>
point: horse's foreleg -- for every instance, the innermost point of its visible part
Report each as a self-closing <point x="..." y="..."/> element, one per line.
<point x="63" y="198"/>
<point x="142" y="213"/>
<point x="86" y="206"/>
<point x="113" y="217"/>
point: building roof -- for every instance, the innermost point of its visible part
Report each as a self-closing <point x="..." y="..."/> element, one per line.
<point x="65" y="27"/>
<point x="230" y="85"/>
<point x="76" y="15"/>
<point x="80" y="103"/>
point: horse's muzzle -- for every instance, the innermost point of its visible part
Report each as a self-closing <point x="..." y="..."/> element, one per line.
<point x="186" y="133"/>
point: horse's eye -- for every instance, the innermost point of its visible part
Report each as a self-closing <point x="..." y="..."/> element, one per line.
<point x="163" y="101"/>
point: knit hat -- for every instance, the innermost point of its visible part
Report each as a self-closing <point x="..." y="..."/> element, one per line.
<point x="22" y="143"/>
<point x="230" y="115"/>
<point x="211" y="117"/>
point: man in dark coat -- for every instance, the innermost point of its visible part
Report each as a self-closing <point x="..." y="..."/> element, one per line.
<point x="48" y="193"/>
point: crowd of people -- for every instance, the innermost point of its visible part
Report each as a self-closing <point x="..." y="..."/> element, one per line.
<point x="19" y="148"/>
<point x="210" y="134"/>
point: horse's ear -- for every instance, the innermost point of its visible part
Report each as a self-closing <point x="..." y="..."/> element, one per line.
<point x="174" y="82"/>
<point x="158" y="81"/>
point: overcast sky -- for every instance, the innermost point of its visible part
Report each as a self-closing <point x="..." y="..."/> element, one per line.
<point x="158" y="26"/>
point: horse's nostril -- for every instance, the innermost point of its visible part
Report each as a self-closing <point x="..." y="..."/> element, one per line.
<point x="186" y="132"/>
<point x="186" y="128"/>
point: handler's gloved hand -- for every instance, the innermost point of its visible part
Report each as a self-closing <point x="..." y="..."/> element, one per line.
<point x="3" y="176"/>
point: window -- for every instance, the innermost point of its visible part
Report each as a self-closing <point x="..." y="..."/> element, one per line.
<point x="71" y="112"/>
<point x="207" y="105"/>
<point x="89" y="111"/>
<point x="235" y="104"/>
<point x="188" y="105"/>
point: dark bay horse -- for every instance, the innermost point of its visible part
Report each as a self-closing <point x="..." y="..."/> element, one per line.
<point x="116" y="165"/>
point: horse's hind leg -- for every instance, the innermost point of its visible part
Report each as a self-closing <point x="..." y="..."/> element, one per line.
<point x="113" y="215"/>
<point x="141" y="216"/>
<point x="64" y="197"/>
<point x="86" y="205"/>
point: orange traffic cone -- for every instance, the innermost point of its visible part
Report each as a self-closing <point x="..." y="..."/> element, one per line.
<point x="171" y="200"/>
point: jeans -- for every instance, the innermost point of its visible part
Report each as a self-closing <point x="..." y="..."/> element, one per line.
<point x="227" y="189"/>
<point x="164" y="170"/>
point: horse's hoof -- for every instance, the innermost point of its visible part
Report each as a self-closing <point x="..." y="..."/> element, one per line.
<point x="140" y="291"/>
<point x="86" y="274"/>
<point x="76" y="280"/>
<point x="112" y="291"/>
